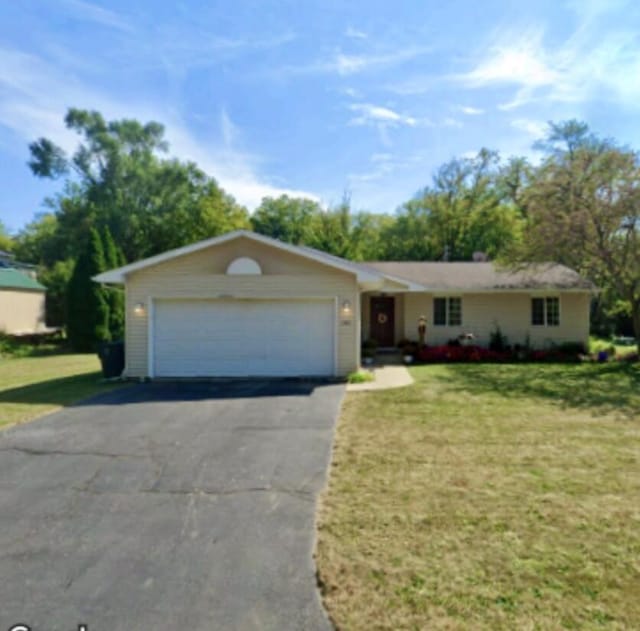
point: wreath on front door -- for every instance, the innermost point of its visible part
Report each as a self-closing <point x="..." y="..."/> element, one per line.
<point x="383" y="318"/>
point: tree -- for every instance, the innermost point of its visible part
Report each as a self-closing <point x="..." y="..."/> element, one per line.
<point x="114" y="257"/>
<point x="87" y="303"/>
<point x="119" y="177"/>
<point x="6" y="241"/>
<point x="463" y="211"/>
<point x="288" y="219"/>
<point x="56" y="280"/>
<point x="584" y="211"/>
<point x="368" y="232"/>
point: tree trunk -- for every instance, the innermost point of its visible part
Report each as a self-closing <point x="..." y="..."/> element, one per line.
<point x="635" y="314"/>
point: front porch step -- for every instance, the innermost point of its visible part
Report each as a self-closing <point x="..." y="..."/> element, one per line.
<point x="388" y="350"/>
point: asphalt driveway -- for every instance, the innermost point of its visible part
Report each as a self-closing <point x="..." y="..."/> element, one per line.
<point x="167" y="506"/>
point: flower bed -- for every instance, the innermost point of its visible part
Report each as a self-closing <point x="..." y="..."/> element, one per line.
<point x="448" y="353"/>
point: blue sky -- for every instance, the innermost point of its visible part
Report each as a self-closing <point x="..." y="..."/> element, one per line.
<point x="315" y="98"/>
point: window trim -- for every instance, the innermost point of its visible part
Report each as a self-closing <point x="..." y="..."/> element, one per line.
<point x="544" y="297"/>
<point x="447" y="312"/>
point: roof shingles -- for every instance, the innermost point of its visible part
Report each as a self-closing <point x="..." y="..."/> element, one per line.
<point x="471" y="276"/>
<point x="15" y="279"/>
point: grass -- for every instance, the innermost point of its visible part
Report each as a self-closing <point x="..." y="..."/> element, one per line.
<point x="597" y="344"/>
<point x="360" y="376"/>
<point x="487" y="497"/>
<point x="32" y="386"/>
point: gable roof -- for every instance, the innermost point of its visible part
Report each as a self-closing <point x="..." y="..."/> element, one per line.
<point x="363" y="274"/>
<point x="15" y="279"/>
<point x="472" y="276"/>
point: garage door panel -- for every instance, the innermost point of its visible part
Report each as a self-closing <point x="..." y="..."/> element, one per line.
<point x="243" y="338"/>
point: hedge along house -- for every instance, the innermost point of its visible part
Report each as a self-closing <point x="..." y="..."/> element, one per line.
<point x="242" y="304"/>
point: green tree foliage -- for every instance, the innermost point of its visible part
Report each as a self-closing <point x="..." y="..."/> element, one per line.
<point x="6" y="241"/>
<point x="56" y="279"/>
<point x="87" y="302"/>
<point x="114" y="257"/>
<point x="120" y="177"/>
<point x="336" y="230"/>
<point x="288" y="219"/>
<point x="584" y="210"/>
<point x="41" y="242"/>
<point x="462" y="212"/>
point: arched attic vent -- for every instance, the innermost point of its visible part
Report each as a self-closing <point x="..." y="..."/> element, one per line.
<point x="244" y="266"/>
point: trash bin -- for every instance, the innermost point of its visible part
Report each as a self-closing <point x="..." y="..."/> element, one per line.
<point x="111" y="356"/>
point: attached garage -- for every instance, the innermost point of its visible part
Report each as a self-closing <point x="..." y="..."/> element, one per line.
<point x="243" y="338"/>
<point x="242" y="305"/>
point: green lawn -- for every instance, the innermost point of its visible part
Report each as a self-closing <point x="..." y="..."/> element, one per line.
<point x="487" y="497"/>
<point x="32" y="386"/>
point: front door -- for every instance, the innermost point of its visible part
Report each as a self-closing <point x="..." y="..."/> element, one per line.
<point x="382" y="320"/>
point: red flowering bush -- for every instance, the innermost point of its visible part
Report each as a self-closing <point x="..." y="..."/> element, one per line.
<point x="461" y="354"/>
<point x="447" y="353"/>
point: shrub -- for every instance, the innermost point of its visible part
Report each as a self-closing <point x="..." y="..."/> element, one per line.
<point x="360" y="376"/>
<point x="479" y="354"/>
<point x="571" y="348"/>
<point x="498" y="341"/>
<point x="461" y="354"/>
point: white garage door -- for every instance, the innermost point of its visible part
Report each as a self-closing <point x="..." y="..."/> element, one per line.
<point x="235" y="338"/>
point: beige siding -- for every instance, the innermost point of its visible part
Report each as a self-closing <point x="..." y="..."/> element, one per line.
<point x="21" y="311"/>
<point x="202" y="275"/>
<point x="511" y="311"/>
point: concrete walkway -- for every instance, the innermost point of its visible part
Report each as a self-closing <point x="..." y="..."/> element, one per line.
<point x="386" y="377"/>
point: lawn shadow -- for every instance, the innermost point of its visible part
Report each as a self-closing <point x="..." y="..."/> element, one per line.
<point x="601" y="388"/>
<point x="59" y="391"/>
<point x="89" y="389"/>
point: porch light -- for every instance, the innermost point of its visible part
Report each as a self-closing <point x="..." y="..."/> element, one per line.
<point x="139" y="309"/>
<point x="346" y="308"/>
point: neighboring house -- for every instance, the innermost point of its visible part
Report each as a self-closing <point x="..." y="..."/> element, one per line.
<point x="244" y="304"/>
<point x="21" y="301"/>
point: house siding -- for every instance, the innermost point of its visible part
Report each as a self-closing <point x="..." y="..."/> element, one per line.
<point x="203" y="275"/>
<point x="481" y="313"/>
<point x="21" y="311"/>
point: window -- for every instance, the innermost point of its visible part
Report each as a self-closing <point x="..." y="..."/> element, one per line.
<point x="455" y="311"/>
<point x="545" y="311"/>
<point x="447" y="311"/>
<point x="440" y="311"/>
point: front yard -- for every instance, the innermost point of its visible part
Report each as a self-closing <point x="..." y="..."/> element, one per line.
<point x="32" y="386"/>
<point x="487" y="497"/>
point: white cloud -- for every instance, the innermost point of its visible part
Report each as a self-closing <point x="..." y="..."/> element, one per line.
<point x="228" y="129"/>
<point x="344" y="64"/>
<point x="523" y="63"/>
<point x="355" y="33"/>
<point x="470" y="111"/>
<point x="351" y="93"/>
<point x="591" y="63"/>
<point x="451" y="122"/>
<point x="94" y="13"/>
<point x="34" y="97"/>
<point x="386" y="164"/>
<point x="368" y="114"/>
<point x="535" y="129"/>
